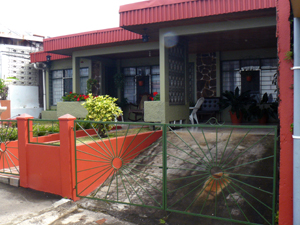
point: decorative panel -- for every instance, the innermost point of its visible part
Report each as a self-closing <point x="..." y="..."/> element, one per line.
<point x="177" y="75"/>
<point x="206" y="75"/>
<point x="191" y="82"/>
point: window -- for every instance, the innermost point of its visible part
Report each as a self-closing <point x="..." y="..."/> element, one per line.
<point x="61" y="83"/>
<point x="235" y="74"/>
<point x="151" y="82"/>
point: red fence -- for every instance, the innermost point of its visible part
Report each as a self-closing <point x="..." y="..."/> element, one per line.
<point x="51" y="168"/>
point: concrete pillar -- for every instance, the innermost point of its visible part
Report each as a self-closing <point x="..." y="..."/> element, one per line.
<point x="76" y="74"/>
<point x="23" y="136"/>
<point x="67" y="156"/>
<point x="285" y="111"/>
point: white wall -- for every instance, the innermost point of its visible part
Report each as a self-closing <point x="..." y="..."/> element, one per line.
<point x="24" y="99"/>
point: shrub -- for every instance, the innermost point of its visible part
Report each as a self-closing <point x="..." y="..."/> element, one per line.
<point x="42" y="130"/>
<point x="84" y="125"/>
<point x="102" y="108"/>
<point x="8" y="134"/>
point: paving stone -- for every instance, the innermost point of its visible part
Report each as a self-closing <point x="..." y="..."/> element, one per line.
<point x="4" y="180"/>
<point x="14" y="182"/>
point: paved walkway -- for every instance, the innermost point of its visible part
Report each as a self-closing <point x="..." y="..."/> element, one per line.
<point x="21" y="206"/>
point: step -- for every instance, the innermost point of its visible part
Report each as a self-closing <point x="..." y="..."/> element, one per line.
<point x="11" y="179"/>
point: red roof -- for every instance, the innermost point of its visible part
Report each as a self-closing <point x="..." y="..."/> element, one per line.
<point x="155" y="11"/>
<point x="91" y="38"/>
<point x="41" y="57"/>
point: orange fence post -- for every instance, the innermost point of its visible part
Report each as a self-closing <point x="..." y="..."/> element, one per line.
<point x="67" y="156"/>
<point x="23" y="134"/>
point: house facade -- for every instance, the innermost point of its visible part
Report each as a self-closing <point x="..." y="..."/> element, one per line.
<point x="184" y="50"/>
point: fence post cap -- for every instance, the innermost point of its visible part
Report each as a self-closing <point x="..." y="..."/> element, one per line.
<point x="67" y="117"/>
<point x="25" y="116"/>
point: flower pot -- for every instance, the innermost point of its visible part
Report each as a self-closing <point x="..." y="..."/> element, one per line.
<point x="141" y="83"/>
<point x="263" y="120"/>
<point x="234" y="119"/>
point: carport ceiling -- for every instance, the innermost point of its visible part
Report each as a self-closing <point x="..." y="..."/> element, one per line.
<point x="218" y="41"/>
<point x="233" y="40"/>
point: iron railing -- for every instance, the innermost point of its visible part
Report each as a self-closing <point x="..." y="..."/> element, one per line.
<point x="39" y="129"/>
<point x="218" y="172"/>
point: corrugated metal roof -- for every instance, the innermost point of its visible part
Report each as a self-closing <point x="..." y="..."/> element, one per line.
<point x="97" y="37"/>
<point x="155" y="11"/>
<point x="41" y="57"/>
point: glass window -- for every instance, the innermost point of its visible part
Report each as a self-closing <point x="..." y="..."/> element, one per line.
<point x="84" y="76"/>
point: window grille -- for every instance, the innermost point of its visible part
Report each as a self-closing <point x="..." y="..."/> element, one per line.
<point x="130" y="86"/>
<point x="61" y="83"/>
<point x="232" y="75"/>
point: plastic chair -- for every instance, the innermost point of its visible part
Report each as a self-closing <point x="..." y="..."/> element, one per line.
<point x="116" y="117"/>
<point x="193" y="115"/>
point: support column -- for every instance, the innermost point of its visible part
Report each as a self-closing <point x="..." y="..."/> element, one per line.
<point x="23" y="136"/>
<point x="173" y="55"/>
<point x="285" y="111"/>
<point x="67" y="156"/>
<point x="48" y="88"/>
<point x="76" y="74"/>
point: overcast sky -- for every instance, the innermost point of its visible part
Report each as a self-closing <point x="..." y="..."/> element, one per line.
<point x="60" y="17"/>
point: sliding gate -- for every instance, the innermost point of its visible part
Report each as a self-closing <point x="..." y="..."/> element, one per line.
<point x="217" y="172"/>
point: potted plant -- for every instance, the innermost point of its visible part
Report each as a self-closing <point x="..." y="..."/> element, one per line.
<point x="237" y="102"/>
<point x="261" y="110"/>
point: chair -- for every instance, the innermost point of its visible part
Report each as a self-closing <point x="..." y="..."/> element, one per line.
<point x="193" y="115"/>
<point x="138" y="109"/>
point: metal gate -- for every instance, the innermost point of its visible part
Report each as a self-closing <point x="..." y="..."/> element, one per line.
<point x="9" y="158"/>
<point x="224" y="172"/>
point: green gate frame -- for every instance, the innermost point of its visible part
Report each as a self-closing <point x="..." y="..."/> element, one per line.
<point x="125" y="173"/>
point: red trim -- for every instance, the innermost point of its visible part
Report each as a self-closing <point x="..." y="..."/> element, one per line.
<point x="91" y="38"/>
<point x="155" y="11"/>
<point x="41" y="57"/>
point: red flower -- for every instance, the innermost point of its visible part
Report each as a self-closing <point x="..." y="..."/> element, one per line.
<point x="70" y="92"/>
<point x="154" y="93"/>
<point x="79" y="96"/>
<point x="151" y="98"/>
<point x="78" y="99"/>
<point x="75" y="96"/>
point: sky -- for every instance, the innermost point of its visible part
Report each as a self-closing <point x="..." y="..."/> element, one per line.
<point x="60" y="17"/>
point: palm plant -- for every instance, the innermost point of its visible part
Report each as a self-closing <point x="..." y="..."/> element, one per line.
<point x="260" y="110"/>
<point x="236" y="101"/>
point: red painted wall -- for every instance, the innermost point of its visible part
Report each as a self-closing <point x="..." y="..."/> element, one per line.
<point x="6" y="114"/>
<point x="56" y="137"/>
<point x="43" y="168"/>
<point x="285" y="110"/>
